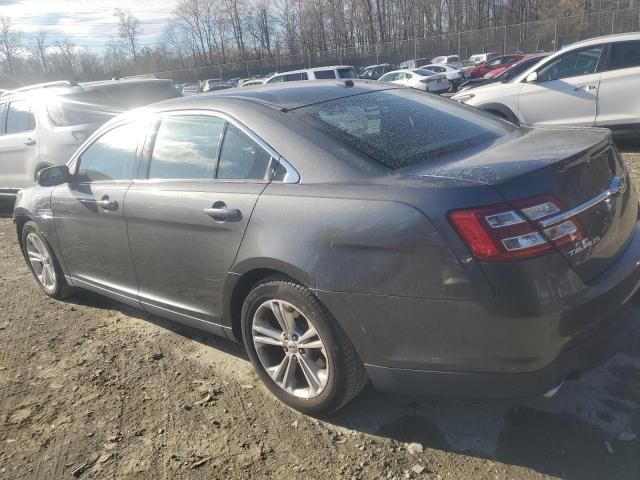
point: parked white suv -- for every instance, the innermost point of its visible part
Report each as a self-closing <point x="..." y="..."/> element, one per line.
<point x="590" y="83"/>
<point x="318" y="73"/>
<point x="43" y="125"/>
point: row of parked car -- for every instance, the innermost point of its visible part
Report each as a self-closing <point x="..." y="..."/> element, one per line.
<point x="590" y="83"/>
<point x="437" y="75"/>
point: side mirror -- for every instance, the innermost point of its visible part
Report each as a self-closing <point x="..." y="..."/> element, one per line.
<point x="52" y="176"/>
<point x="532" y="77"/>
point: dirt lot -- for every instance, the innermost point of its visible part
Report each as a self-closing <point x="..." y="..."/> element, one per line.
<point x="94" y="389"/>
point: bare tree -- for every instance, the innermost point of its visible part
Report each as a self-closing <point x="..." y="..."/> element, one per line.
<point x="38" y="49"/>
<point x="67" y="51"/>
<point x="10" y="43"/>
<point x="128" y="30"/>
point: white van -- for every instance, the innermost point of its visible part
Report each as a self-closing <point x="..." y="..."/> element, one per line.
<point x="317" y="73"/>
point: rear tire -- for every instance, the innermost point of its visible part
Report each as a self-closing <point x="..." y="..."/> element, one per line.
<point x="43" y="263"/>
<point x="297" y="348"/>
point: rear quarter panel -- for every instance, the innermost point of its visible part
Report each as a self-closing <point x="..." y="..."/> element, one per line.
<point x="356" y="239"/>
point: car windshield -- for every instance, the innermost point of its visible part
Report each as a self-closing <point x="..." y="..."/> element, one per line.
<point x="400" y="128"/>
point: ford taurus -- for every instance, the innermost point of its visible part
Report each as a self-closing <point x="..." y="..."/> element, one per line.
<point x="351" y="231"/>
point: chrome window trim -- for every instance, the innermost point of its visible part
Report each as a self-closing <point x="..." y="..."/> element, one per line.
<point x="617" y="186"/>
<point x="292" y="176"/>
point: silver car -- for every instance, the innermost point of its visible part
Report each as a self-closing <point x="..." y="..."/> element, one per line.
<point x="43" y="125"/>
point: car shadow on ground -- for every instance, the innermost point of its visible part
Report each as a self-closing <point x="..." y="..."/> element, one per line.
<point x="629" y="144"/>
<point x="95" y="300"/>
<point x="578" y="434"/>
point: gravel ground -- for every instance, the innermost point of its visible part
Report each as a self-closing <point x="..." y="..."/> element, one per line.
<point x="92" y="388"/>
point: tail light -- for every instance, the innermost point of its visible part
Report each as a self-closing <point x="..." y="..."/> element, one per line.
<point x="507" y="232"/>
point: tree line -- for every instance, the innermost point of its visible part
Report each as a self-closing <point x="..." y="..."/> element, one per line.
<point x="212" y="32"/>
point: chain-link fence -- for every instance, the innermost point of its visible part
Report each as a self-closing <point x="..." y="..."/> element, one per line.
<point x="531" y="37"/>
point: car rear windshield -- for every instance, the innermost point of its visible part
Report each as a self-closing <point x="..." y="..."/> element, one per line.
<point x="400" y="128"/>
<point x="99" y="104"/>
<point x="424" y="72"/>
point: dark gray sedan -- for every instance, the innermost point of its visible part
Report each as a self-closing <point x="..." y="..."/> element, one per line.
<point x="351" y="231"/>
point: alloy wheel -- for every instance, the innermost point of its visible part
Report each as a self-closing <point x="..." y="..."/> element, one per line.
<point x="290" y="349"/>
<point x="41" y="262"/>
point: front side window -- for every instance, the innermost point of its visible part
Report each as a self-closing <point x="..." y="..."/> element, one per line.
<point x="3" y="113"/>
<point x="241" y="158"/>
<point x="572" y="64"/>
<point x="186" y="147"/>
<point x="294" y="77"/>
<point x="20" y="118"/>
<point x="112" y="156"/>
<point x="399" y="128"/>
<point x="624" y="55"/>
<point x="278" y="79"/>
<point x="367" y="73"/>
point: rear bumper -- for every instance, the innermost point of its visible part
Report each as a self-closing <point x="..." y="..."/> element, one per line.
<point x="538" y="330"/>
<point x="571" y="363"/>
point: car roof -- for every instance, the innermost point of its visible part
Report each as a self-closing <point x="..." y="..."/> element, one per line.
<point x="283" y="97"/>
<point x="618" y="37"/>
<point x="314" y="69"/>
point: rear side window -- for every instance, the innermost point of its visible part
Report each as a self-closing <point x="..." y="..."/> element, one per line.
<point x="345" y="73"/>
<point x="186" y="147"/>
<point x="399" y="128"/>
<point x="624" y="55"/>
<point x="20" y="118"/>
<point x="241" y="158"/>
<point x="324" y="74"/>
<point x="68" y="110"/>
<point x="112" y="156"/>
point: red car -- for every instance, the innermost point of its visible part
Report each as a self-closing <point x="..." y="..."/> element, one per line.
<point x="501" y="62"/>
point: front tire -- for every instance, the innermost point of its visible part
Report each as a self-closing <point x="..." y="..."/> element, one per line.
<point x="298" y="350"/>
<point x="43" y="264"/>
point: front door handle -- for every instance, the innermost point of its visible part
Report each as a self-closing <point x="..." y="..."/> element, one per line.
<point x="221" y="213"/>
<point x="106" y="204"/>
<point x="29" y="142"/>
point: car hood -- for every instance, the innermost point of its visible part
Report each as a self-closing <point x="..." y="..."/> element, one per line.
<point x="490" y="90"/>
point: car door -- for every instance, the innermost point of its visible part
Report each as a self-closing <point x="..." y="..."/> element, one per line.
<point x="566" y="90"/>
<point x="4" y="187"/>
<point x="188" y="212"/>
<point x="19" y="145"/>
<point x="618" y="102"/>
<point x="89" y="213"/>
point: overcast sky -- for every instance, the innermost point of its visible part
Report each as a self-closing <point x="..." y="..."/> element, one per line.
<point x="88" y="23"/>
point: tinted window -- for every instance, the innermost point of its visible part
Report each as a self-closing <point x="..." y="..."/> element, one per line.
<point x="186" y="147"/>
<point x="624" y="55"/>
<point x="66" y="110"/>
<point x="3" y="112"/>
<point x="367" y="73"/>
<point x="112" y="156"/>
<point x="425" y="73"/>
<point x="324" y="74"/>
<point x="345" y="73"/>
<point x="294" y="77"/>
<point x="572" y="64"/>
<point x="241" y="158"/>
<point x="399" y="128"/>
<point x="20" y="118"/>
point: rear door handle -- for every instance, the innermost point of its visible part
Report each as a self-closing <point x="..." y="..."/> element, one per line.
<point x="29" y="142"/>
<point x="220" y="213"/>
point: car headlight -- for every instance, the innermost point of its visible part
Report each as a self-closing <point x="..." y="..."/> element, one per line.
<point x="463" y="98"/>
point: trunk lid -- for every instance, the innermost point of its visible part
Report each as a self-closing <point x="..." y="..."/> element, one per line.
<point x="581" y="169"/>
